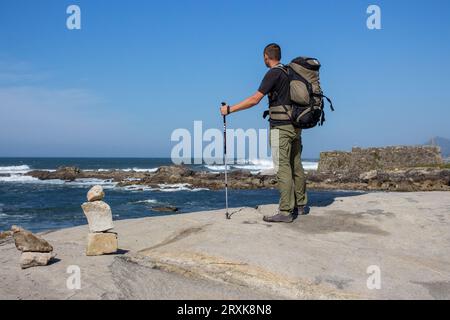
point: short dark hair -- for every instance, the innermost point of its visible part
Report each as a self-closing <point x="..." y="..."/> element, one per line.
<point x="273" y="51"/>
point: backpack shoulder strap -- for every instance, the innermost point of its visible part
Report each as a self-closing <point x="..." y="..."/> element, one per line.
<point x="282" y="67"/>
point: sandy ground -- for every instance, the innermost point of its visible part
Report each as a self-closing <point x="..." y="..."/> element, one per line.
<point x="331" y="253"/>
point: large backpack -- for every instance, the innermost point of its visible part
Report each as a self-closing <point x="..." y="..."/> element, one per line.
<point x="307" y="105"/>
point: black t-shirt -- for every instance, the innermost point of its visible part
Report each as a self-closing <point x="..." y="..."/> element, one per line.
<point x="276" y="85"/>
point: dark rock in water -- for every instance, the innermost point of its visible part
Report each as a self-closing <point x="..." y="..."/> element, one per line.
<point x="203" y="179"/>
<point x="28" y="242"/>
<point x="41" y="175"/>
<point x="175" y="171"/>
<point x="62" y="173"/>
<point x="72" y="173"/>
<point x="68" y="173"/>
<point x="165" y="209"/>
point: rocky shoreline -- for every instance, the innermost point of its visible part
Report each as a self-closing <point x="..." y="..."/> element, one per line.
<point x="399" y="168"/>
<point x="406" y="179"/>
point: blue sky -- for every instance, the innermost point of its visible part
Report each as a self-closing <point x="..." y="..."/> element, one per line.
<point x="139" y="69"/>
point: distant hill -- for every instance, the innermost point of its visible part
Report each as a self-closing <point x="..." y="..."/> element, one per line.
<point x="443" y="143"/>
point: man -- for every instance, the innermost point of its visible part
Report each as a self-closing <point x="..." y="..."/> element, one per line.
<point x="285" y="138"/>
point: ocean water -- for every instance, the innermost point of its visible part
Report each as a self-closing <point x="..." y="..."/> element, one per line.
<point x="55" y="204"/>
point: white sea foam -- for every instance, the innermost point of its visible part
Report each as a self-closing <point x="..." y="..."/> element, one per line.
<point x="21" y="216"/>
<point x="14" y="169"/>
<point x="17" y="174"/>
<point x="136" y="187"/>
<point x="150" y="170"/>
<point x="199" y="189"/>
<point x="174" y="187"/>
<point x="132" y="179"/>
<point x="164" y="188"/>
<point x="178" y="187"/>
<point x="19" y="178"/>
<point x="309" y="165"/>
<point x="145" y="201"/>
<point x="256" y="166"/>
<point x="86" y="182"/>
<point x="217" y="167"/>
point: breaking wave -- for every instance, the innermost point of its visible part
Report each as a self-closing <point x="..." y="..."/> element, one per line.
<point x="164" y="187"/>
<point x="178" y="187"/>
<point x="106" y="184"/>
<point x="17" y="174"/>
<point x="148" y="201"/>
<point x="149" y="170"/>
<point x="256" y="166"/>
<point x="14" y="169"/>
<point x="19" y="179"/>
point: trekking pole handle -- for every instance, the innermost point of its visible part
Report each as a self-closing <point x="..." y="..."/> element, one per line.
<point x="228" y="109"/>
<point x="224" y="104"/>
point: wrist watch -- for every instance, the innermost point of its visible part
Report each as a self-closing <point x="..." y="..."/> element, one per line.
<point x="228" y="109"/>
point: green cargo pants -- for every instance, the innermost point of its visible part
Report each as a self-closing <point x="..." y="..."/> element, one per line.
<point x="287" y="147"/>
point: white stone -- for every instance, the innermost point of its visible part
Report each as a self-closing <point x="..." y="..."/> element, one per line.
<point x="366" y="176"/>
<point x="35" y="259"/>
<point x="95" y="194"/>
<point x="99" y="216"/>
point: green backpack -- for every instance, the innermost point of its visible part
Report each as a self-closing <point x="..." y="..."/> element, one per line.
<point x="307" y="98"/>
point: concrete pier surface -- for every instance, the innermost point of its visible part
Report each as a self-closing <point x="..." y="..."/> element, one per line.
<point x="368" y="246"/>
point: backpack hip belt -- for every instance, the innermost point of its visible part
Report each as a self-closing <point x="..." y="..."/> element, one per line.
<point x="280" y="113"/>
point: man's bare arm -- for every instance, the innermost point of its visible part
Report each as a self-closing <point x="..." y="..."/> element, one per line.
<point x="245" y="104"/>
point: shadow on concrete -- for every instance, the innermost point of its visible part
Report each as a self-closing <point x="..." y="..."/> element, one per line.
<point x="324" y="199"/>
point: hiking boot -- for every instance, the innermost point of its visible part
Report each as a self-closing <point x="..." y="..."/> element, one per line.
<point x="301" y="210"/>
<point x="279" y="218"/>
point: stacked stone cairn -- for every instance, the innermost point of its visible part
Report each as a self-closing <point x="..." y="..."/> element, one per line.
<point x="35" y="250"/>
<point x="101" y="240"/>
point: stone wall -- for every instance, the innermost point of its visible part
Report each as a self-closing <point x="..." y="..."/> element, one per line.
<point x="362" y="160"/>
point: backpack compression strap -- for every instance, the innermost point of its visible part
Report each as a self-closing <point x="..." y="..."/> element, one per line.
<point x="324" y="96"/>
<point x="322" y="116"/>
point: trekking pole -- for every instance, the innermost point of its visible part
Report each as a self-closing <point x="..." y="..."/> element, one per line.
<point x="225" y="161"/>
